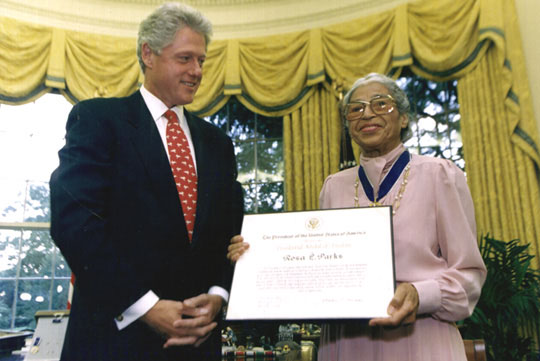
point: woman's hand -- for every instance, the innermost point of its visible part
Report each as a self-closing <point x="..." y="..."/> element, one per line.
<point x="237" y="248"/>
<point x="402" y="308"/>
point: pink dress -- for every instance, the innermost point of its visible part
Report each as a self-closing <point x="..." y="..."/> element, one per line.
<point x="435" y="249"/>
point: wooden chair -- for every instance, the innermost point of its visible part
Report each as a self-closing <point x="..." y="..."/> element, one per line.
<point x="475" y="350"/>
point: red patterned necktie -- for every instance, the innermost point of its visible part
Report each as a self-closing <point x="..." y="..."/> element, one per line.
<point x="183" y="169"/>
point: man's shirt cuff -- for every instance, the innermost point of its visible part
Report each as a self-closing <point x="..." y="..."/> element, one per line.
<point x="146" y="302"/>
<point x="136" y="310"/>
<point x="216" y="290"/>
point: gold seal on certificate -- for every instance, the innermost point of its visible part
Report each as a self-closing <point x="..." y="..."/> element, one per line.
<point x="315" y="265"/>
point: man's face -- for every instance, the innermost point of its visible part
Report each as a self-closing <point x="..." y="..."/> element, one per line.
<point x="175" y="75"/>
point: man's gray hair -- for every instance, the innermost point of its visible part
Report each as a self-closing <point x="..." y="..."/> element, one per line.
<point x="159" y="28"/>
<point x="402" y="102"/>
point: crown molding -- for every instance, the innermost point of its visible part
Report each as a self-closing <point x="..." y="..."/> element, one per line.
<point x="231" y="18"/>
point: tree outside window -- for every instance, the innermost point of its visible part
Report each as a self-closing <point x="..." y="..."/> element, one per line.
<point x="436" y="129"/>
<point x="258" y="144"/>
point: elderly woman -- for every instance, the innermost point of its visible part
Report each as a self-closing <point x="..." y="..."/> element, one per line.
<point x="439" y="270"/>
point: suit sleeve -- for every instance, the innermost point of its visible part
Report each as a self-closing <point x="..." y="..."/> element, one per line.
<point x="237" y="212"/>
<point x="80" y="189"/>
<point x="234" y="214"/>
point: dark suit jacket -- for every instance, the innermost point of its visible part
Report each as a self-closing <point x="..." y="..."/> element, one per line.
<point x="117" y="219"/>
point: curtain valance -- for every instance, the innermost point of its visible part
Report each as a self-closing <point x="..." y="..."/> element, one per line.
<point x="271" y="75"/>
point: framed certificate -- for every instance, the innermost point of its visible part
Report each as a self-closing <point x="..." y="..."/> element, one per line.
<point x="315" y="265"/>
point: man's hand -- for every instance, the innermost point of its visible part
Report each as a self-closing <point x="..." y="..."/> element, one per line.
<point x="194" y="331"/>
<point x="402" y="308"/>
<point x="236" y="248"/>
<point x="162" y="316"/>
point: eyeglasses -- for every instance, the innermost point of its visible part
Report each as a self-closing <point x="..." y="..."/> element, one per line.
<point x="380" y="105"/>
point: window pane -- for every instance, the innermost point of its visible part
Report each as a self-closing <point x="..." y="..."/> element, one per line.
<point x="7" y="290"/>
<point x="32" y="296"/>
<point x="270" y="160"/>
<point x="271" y="197"/>
<point x="60" y="294"/>
<point x="9" y="252"/>
<point x="241" y="120"/>
<point x="242" y="126"/>
<point x="250" y="197"/>
<point x="220" y="120"/>
<point x="245" y="159"/>
<point x="37" y="254"/>
<point x="269" y="127"/>
<point x="37" y="207"/>
<point x="12" y="195"/>
<point x="431" y="151"/>
<point x="435" y="127"/>
<point x="32" y="134"/>
<point x="61" y="268"/>
<point x="255" y="165"/>
<point x="428" y="139"/>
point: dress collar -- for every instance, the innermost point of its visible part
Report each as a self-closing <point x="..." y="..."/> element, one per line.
<point x="376" y="168"/>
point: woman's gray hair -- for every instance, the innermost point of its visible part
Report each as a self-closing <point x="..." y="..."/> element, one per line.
<point x="159" y="28"/>
<point x="402" y="102"/>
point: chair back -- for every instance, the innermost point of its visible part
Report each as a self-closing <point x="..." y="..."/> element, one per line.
<point x="475" y="350"/>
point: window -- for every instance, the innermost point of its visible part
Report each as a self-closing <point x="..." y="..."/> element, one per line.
<point x="436" y="131"/>
<point x="33" y="274"/>
<point x="258" y="144"/>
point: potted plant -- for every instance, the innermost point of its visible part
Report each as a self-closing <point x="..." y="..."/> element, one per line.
<point x="507" y="314"/>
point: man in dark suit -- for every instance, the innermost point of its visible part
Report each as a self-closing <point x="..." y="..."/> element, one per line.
<point x="150" y="282"/>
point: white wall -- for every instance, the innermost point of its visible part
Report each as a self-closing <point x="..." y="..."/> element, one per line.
<point x="528" y="16"/>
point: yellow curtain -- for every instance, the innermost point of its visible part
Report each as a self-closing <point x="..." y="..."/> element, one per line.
<point x="501" y="175"/>
<point x="311" y="138"/>
<point x="500" y="140"/>
<point x="99" y="66"/>
<point x="271" y="76"/>
<point x="211" y="96"/>
<point x="24" y="56"/>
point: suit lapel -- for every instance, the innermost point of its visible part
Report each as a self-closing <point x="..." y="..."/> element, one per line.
<point x="149" y="146"/>
<point x="203" y="162"/>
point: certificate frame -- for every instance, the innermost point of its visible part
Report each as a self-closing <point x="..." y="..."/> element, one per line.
<point x="334" y="264"/>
